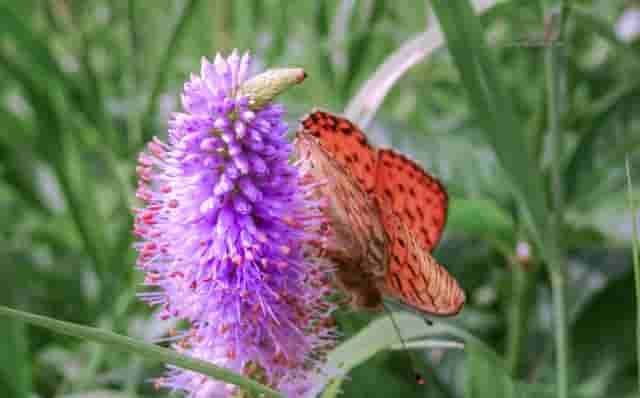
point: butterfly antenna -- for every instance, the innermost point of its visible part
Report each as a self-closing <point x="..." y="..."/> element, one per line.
<point x="412" y="361"/>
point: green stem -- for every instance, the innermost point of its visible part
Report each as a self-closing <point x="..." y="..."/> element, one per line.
<point x="635" y="242"/>
<point x="146" y="350"/>
<point x="553" y="76"/>
<point x="555" y="248"/>
<point x="558" y="287"/>
<point x="114" y="322"/>
<point x="517" y="315"/>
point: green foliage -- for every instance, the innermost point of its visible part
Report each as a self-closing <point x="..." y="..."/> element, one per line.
<point x="147" y="350"/>
<point x="15" y="370"/>
<point x="84" y="83"/>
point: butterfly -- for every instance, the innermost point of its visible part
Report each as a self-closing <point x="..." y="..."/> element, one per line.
<point x="386" y="214"/>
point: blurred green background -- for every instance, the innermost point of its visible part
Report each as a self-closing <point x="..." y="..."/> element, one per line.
<point x="84" y="83"/>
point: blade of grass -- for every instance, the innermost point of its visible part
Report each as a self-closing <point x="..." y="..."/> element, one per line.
<point x="146" y="350"/>
<point x="519" y="306"/>
<point x="361" y="42"/>
<point x="17" y="159"/>
<point x="364" y="105"/>
<point x="493" y="109"/>
<point x="428" y="343"/>
<point x="222" y="13"/>
<point x="555" y="251"/>
<point x="162" y="70"/>
<point x="580" y="169"/>
<point x="635" y="243"/>
<point x="15" y="364"/>
<point x="244" y="22"/>
<point x="37" y="56"/>
<point x="486" y="375"/>
<point x="278" y="15"/>
<point x="54" y="148"/>
<point x="376" y="337"/>
<point x="321" y="30"/>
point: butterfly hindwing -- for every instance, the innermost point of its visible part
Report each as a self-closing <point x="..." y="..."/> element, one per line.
<point x="415" y="197"/>
<point x="415" y="277"/>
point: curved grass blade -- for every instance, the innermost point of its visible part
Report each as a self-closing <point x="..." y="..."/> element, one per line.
<point x="380" y="335"/>
<point x="364" y="105"/>
<point x="19" y="165"/>
<point x="37" y="55"/>
<point x="493" y="109"/>
<point x="148" y="351"/>
<point x="55" y="148"/>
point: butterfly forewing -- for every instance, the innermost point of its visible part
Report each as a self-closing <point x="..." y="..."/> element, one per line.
<point x="345" y="143"/>
<point x="359" y="244"/>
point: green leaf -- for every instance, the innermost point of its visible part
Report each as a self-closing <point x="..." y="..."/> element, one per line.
<point x="278" y="14"/>
<point x="18" y="163"/>
<point x="321" y="23"/>
<point x="364" y="356"/>
<point x="148" y="351"/>
<point x="360" y="43"/>
<point x="63" y="153"/>
<point x="486" y="375"/>
<point x="480" y="218"/>
<point x="15" y="366"/>
<point x="493" y="108"/>
<point x="363" y="106"/>
<point x="581" y="174"/>
<point x="28" y="43"/>
<point x="34" y="53"/>
<point x="604" y="333"/>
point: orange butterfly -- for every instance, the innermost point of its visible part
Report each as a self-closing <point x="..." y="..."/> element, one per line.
<point x="387" y="215"/>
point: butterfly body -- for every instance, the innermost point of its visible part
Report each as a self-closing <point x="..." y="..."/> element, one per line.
<point x="386" y="213"/>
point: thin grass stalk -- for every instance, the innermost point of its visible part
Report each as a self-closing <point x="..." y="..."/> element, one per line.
<point x="136" y="56"/>
<point x="363" y="106"/>
<point x="148" y="351"/>
<point x="522" y="282"/>
<point x="635" y="243"/>
<point x="561" y="329"/>
<point x="556" y="256"/>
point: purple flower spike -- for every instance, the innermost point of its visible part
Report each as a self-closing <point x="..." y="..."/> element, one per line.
<point x="225" y="236"/>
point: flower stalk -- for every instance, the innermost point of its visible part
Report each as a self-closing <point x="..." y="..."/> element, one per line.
<point x="555" y="252"/>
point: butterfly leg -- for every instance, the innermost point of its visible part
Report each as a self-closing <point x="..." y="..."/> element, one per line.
<point x="418" y="377"/>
